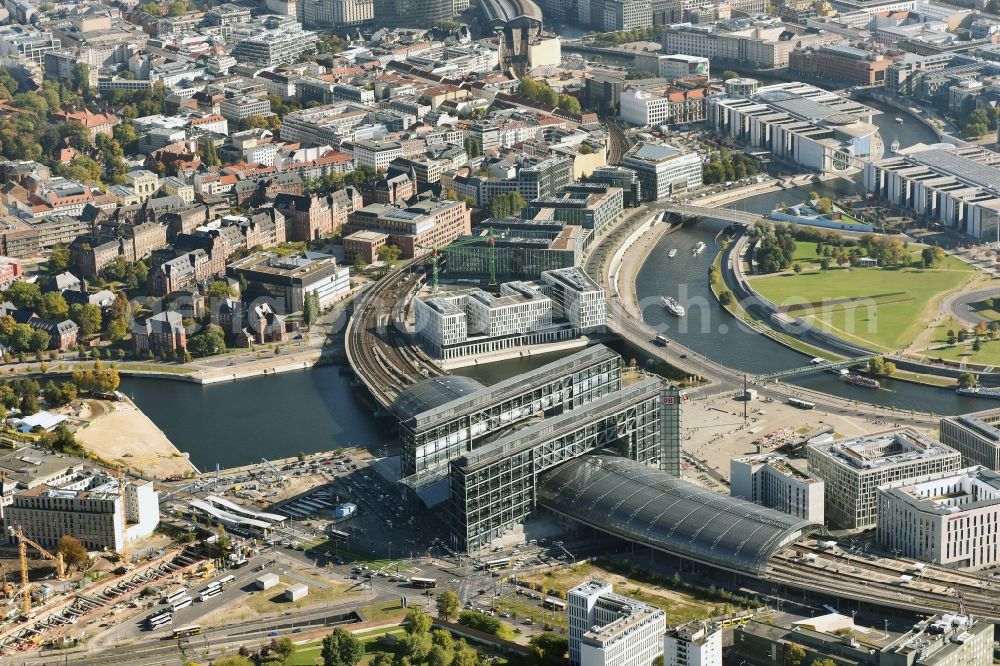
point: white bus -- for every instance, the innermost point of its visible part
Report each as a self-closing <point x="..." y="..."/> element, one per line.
<point x="208" y="594"/>
<point x="183" y="602"/>
<point x="226" y="580"/>
<point x="174" y="594"/>
<point x="158" y="620"/>
<point x="215" y="585"/>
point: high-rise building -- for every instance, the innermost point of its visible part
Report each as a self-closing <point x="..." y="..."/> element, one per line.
<point x="608" y="629"/>
<point x="693" y="644"/>
<point x="663" y="170"/>
<point x="412" y="13"/>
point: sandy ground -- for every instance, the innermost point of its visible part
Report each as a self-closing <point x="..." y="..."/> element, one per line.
<point x="714" y="431"/>
<point x="126" y="435"/>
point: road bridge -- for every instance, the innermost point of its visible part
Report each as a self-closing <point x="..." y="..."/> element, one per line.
<point x="728" y="215"/>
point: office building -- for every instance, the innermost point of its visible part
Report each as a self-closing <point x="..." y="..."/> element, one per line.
<point x="531" y="178"/>
<point x="619" y="15"/>
<point x="589" y="205"/>
<point x="958" y="187"/>
<point x="764" y="48"/>
<point x="89" y="506"/>
<point x="442" y="418"/>
<point x="412" y="13"/>
<point x="696" y="643"/>
<point x="771" y="480"/>
<point x="415" y="229"/>
<point x="619" y="176"/>
<point x="576" y="298"/>
<point x="673" y="67"/>
<point x="975" y="436"/>
<point x="841" y="64"/>
<point x="663" y="170"/>
<point x="289" y="279"/>
<point x="644" y="109"/>
<point x="608" y="629"/>
<point x="798" y="123"/>
<point x="274" y="41"/>
<point x="948" y="518"/>
<point x="505" y="250"/>
<point x="18" y="41"/>
<point x="940" y="640"/>
<point x="238" y="108"/>
<point x="336" y="13"/>
<point x="853" y="469"/>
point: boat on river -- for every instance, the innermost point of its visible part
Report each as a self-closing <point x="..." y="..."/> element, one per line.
<point x="672" y="306"/>
<point x="672" y="253"/>
<point x="991" y="392"/>
<point x="899" y="120"/>
<point x="862" y="381"/>
<point x="698" y="249"/>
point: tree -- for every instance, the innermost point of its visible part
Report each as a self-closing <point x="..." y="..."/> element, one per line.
<point x="390" y="254"/>
<point x="72" y="550"/>
<point x="932" y="257"/>
<point x="438" y="656"/>
<point x="126" y="136"/>
<point x="473" y="148"/>
<point x="447" y="604"/>
<point x="53" y="306"/>
<point x="209" y="342"/>
<point x="795" y="654"/>
<point x="976" y="344"/>
<point x="24" y="295"/>
<point x="797" y="268"/>
<point x="284" y="647"/>
<point x="823" y="662"/>
<point x="549" y="647"/>
<point x="381" y="659"/>
<point x="209" y="154"/>
<point x="726" y="297"/>
<point x="341" y="648"/>
<point x="309" y="313"/>
<point x="417" y="621"/>
<point x="87" y="316"/>
<point x="443" y="638"/>
<point x="729" y="74"/>
<point x="967" y="380"/>
<point x="951" y="337"/>
<point x="824" y="263"/>
<point x="58" y="259"/>
<point x="220" y="289"/>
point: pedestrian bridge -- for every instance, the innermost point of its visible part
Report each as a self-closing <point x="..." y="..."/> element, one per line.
<point x="728" y="215"/>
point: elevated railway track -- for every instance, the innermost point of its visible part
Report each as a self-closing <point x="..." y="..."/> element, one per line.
<point x="383" y="360"/>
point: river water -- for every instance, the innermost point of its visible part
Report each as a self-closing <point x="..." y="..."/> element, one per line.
<point x="312" y="410"/>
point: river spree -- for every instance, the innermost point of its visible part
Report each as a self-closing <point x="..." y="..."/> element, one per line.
<point x="314" y="410"/>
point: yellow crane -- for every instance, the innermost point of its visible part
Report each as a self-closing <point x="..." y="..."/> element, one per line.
<point x="22" y="551"/>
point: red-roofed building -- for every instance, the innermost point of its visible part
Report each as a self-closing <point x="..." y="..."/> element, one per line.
<point x="97" y="123"/>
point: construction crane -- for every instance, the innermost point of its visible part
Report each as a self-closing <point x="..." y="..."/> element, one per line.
<point x="491" y="255"/>
<point x="22" y="551"/>
<point x="274" y="470"/>
<point x="120" y="475"/>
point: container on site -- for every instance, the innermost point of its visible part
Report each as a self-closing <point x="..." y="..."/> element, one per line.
<point x="296" y="592"/>
<point x="267" y="581"/>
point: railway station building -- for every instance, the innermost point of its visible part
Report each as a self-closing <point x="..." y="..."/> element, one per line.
<point x="853" y="469"/>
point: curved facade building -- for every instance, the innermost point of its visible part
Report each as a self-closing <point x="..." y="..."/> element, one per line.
<point x="517" y="24"/>
<point x="413" y="13"/>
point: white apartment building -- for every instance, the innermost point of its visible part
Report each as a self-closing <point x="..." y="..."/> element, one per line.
<point x="975" y="436"/>
<point x="948" y="518"/>
<point x="576" y="298"/>
<point x="762" y="47"/>
<point x="770" y="480"/>
<point x="336" y="13"/>
<point x="376" y="154"/>
<point x="89" y="507"/>
<point x="519" y="308"/>
<point x="643" y="108"/>
<point x="608" y="629"/>
<point x="563" y="305"/>
<point x="693" y="644"/>
<point x="853" y="469"/>
<point x="663" y="170"/>
<point x="276" y="40"/>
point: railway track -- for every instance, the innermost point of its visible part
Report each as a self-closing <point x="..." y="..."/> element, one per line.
<point x="618" y="143"/>
<point x="877" y="580"/>
<point x="381" y="357"/>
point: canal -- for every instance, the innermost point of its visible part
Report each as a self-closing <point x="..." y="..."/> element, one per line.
<point x="711" y="331"/>
<point x="314" y="410"/>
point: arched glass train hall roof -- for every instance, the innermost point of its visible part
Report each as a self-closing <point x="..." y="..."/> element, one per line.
<point x="650" y="507"/>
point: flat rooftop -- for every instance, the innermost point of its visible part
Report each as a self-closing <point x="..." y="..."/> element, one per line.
<point x="892" y="447"/>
